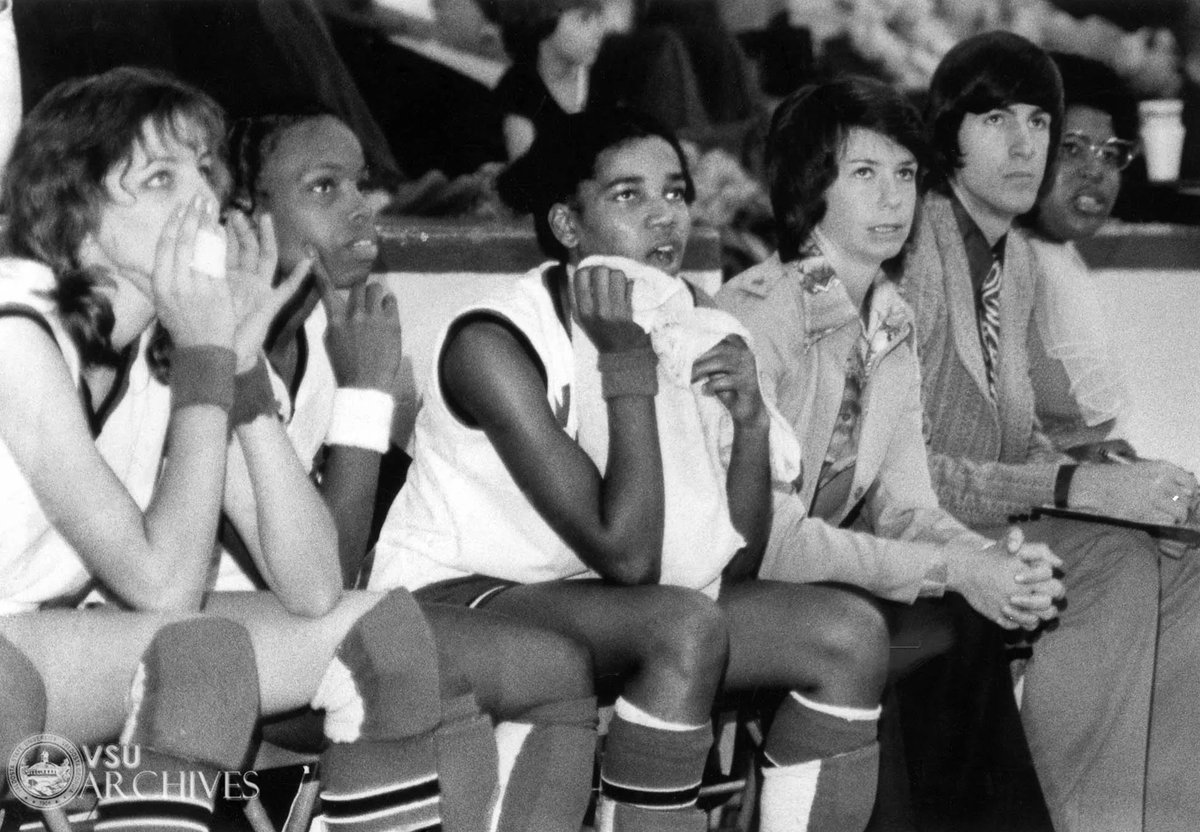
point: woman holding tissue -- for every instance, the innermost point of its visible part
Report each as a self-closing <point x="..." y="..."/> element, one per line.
<point x="508" y="494"/>
<point x="113" y="480"/>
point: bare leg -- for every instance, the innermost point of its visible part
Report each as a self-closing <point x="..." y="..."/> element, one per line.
<point x="539" y="685"/>
<point x="191" y="689"/>
<point x="510" y="670"/>
<point x="22" y="702"/>
<point x="293" y="653"/>
<point x="105" y="646"/>
<point x="828" y="643"/>
<point x="669" y="642"/>
<point x="510" y="666"/>
<point x="669" y="645"/>
<point x="70" y="647"/>
<point x="371" y="665"/>
<point x="829" y="648"/>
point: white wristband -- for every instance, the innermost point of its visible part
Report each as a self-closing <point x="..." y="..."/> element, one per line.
<point x="362" y="418"/>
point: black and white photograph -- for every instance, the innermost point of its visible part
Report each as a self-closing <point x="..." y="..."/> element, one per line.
<point x="599" y="415"/>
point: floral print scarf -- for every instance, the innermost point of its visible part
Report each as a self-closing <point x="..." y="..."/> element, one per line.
<point x="829" y="309"/>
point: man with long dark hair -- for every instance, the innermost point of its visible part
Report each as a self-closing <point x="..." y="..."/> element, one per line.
<point x="1118" y="673"/>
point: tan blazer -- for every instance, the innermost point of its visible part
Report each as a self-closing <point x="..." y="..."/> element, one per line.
<point x="802" y="336"/>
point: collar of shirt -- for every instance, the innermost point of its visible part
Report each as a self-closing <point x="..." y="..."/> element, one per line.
<point x="828" y="308"/>
<point x="979" y="254"/>
<point x="827" y="305"/>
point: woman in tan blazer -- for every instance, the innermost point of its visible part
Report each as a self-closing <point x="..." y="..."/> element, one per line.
<point x="835" y="345"/>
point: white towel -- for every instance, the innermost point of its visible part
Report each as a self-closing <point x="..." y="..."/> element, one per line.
<point x="695" y="431"/>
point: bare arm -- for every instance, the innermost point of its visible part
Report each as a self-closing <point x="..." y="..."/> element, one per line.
<point x="730" y="373"/>
<point x="288" y="530"/>
<point x="159" y="559"/>
<point x="613" y="522"/>
<point x="348" y="486"/>
<point x="748" y="484"/>
<point x="290" y="533"/>
<point x="364" y="344"/>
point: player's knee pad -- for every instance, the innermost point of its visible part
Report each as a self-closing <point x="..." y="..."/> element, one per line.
<point x="195" y="693"/>
<point x="22" y="701"/>
<point x="383" y="682"/>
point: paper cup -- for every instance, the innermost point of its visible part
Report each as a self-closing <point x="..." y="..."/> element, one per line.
<point x="1157" y="109"/>
<point x="1162" y="144"/>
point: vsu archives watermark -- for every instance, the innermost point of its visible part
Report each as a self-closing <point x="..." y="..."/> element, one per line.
<point x="47" y="771"/>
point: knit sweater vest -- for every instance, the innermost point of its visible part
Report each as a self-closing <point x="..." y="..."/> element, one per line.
<point x="961" y="420"/>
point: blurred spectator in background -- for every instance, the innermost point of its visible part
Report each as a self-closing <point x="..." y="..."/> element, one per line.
<point x="553" y="45"/>
<point x="463" y="25"/>
<point x="681" y="64"/>
<point x="903" y="40"/>
<point x="424" y="116"/>
<point x="250" y="55"/>
<point x="749" y="15"/>
<point x="432" y="94"/>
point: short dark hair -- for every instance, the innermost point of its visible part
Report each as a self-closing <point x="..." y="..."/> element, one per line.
<point x="524" y="24"/>
<point x="1087" y="82"/>
<point x="982" y="73"/>
<point x="808" y="131"/>
<point x="54" y="186"/>
<point x="252" y="141"/>
<point x="563" y="157"/>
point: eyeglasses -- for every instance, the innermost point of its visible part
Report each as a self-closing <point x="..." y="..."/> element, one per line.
<point x="1115" y="154"/>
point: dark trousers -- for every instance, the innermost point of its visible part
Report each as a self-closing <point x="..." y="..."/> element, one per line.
<point x="953" y="751"/>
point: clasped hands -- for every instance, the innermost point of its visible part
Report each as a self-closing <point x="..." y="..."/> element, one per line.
<point x="1011" y="582"/>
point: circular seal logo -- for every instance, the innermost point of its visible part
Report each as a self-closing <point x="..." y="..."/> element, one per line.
<point x="46" y="771"/>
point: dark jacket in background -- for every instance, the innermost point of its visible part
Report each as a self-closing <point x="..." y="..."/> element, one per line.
<point x="253" y="56"/>
<point x="434" y="118"/>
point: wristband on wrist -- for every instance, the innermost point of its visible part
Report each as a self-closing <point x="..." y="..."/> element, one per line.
<point x="629" y="373"/>
<point x="202" y="375"/>
<point x="362" y="418"/>
<point x="253" y="395"/>
<point x="1062" y="485"/>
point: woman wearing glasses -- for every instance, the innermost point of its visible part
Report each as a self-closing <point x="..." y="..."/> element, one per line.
<point x="1080" y="395"/>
